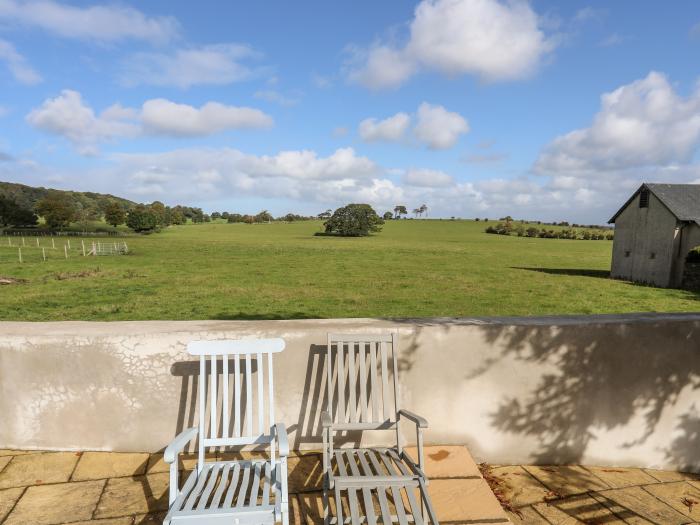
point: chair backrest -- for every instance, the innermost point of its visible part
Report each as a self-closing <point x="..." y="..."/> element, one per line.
<point x="362" y="379"/>
<point x="239" y="396"/>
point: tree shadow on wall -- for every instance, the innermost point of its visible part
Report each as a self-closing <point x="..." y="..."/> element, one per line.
<point x="600" y="379"/>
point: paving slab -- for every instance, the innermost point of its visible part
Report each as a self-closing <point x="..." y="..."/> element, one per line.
<point x="102" y="465"/>
<point x="17" y="452"/>
<point x="682" y="496"/>
<point x="464" y="500"/>
<point x="637" y="501"/>
<point x="519" y="487"/>
<point x="617" y="477"/>
<point x="566" y="480"/>
<point x="526" y="516"/>
<point x="581" y="508"/>
<point x="8" y="498"/>
<point x="4" y="460"/>
<point x="666" y="476"/>
<point x="136" y="495"/>
<point x="126" y="520"/>
<point x="447" y="462"/>
<point x="53" y="504"/>
<point x="36" y="469"/>
<point x="305" y="473"/>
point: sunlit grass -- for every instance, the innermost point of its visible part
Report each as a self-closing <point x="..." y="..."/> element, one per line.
<point x="277" y="271"/>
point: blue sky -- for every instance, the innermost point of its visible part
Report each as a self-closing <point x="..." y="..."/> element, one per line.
<point x="546" y="110"/>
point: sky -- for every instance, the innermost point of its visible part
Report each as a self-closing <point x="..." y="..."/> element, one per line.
<point x="476" y="108"/>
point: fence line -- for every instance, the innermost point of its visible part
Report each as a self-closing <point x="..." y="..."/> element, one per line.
<point x="24" y="252"/>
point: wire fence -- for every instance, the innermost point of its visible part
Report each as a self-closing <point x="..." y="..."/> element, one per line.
<point x="42" y="249"/>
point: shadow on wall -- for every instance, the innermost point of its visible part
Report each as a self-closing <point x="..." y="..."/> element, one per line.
<point x="600" y="383"/>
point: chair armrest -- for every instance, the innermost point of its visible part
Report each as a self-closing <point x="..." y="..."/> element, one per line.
<point x="179" y="443"/>
<point x="282" y="439"/>
<point x="326" y="421"/>
<point x="418" y="420"/>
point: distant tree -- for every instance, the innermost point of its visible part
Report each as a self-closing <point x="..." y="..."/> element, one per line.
<point x="57" y="209"/>
<point x="177" y="217"/>
<point x="354" y="220"/>
<point x="388" y="215"/>
<point x="215" y="215"/>
<point x="114" y="214"/>
<point x="400" y="210"/>
<point x="416" y="211"/>
<point x="206" y="218"/>
<point x="141" y="218"/>
<point x="423" y="209"/>
<point x="478" y="219"/>
<point x="12" y="214"/>
<point x="159" y="211"/>
<point x="248" y="219"/>
<point x="224" y="215"/>
<point x="235" y="217"/>
<point x="264" y="216"/>
<point x="325" y="215"/>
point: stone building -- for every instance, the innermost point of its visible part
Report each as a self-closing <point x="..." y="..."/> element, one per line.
<point x="654" y="231"/>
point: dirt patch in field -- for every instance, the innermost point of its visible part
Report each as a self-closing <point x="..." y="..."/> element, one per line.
<point x="90" y="272"/>
<point x="11" y="280"/>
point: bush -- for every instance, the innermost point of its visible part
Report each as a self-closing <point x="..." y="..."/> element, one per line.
<point x="693" y="255"/>
<point x="354" y="220"/>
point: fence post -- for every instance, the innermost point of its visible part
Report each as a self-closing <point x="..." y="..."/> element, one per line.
<point x="94" y="249"/>
<point x="65" y="250"/>
<point x="43" y="253"/>
<point x="23" y="240"/>
<point x="53" y="244"/>
<point x="83" y="244"/>
<point x="20" y="254"/>
<point x="69" y="244"/>
<point x="37" y="241"/>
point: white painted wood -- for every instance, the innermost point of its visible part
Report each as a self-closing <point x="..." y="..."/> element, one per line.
<point x="213" y="493"/>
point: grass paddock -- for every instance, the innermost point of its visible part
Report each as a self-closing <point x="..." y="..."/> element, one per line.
<point x="418" y="268"/>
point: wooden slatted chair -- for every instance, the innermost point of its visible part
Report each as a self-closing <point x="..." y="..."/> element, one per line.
<point x="363" y="394"/>
<point x="224" y="492"/>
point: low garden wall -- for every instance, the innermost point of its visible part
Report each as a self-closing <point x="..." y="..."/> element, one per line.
<point x="606" y="390"/>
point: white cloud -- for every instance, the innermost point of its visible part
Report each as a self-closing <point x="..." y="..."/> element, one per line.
<point x="271" y="95"/>
<point x="391" y="129"/>
<point x="160" y="116"/>
<point x="438" y="128"/>
<point x="207" y="65"/>
<point x="491" y="39"/>
<point x="427" y="178"/>
<point x="644" y="124"/>
<point x="17" y="64"/>
<point x="107" y="23"/>
<point x="69" y="116"/>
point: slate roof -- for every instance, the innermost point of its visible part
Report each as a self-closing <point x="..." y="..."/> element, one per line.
<point x="682" y="200"/>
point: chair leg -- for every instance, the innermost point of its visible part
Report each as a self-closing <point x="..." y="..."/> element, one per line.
<point x="338" y="507"/>
<point x="326" y="510"/>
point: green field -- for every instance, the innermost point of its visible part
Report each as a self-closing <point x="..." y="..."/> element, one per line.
<point x="417" y="268"/>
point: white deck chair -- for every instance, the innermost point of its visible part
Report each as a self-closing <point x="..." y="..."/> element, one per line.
<point x="381" y="484"/>
<point x="232" y="415"/>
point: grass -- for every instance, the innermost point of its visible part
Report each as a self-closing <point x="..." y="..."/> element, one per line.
<point x="281" y="271"/>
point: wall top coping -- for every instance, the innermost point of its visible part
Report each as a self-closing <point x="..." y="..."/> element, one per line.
<point x="111" y="328"/>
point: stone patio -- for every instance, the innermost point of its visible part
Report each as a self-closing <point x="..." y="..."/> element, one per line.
<point x="595" y="495"/>
<point x="101" y="488"/>
<point x="105" y="488"/>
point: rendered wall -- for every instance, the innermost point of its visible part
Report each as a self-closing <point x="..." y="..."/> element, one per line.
<point x="610" y="390"/>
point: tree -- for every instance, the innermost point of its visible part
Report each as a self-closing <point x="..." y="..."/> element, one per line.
<point x="115" y="214"/>
<point x="423" y="209"/>
<point x="388" y="215"/>
<point x="354" y="220"/>
<point x="263" y="216"/>
<point x="141" y="219"/>
<point x="177" y="217"/>
<point x="416" y="211"/>
<point x="235" y="217"/>
<point x="160" y="213"/>
<point x="57" y="209"/>
<point x="215" y="215"/>
<point x="325" y="215"/>
<point x="12" y="214"/>
<point x="400" y="210"/>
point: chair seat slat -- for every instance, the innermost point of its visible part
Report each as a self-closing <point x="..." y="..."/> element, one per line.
<point x="201" y="479"/>
<point x="216" y="500"/>
<point x="228" y="500"/>
<point x="244" y="488"/>
<point x="211" y="483"/>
